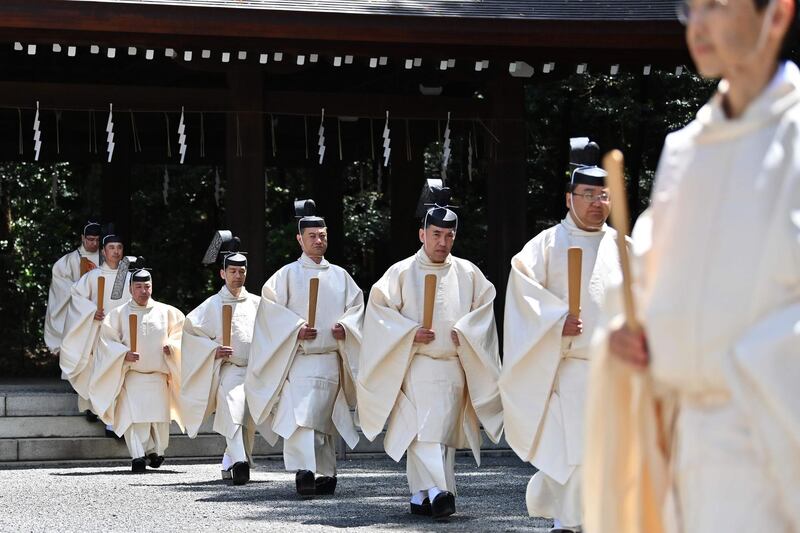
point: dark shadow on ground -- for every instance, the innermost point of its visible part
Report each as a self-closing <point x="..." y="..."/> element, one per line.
<point x="116" y="472"/>
<point x="374" y="493"/>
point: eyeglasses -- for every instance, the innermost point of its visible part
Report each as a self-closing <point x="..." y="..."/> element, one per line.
<point x="589" y="197"/>
<point x="687" y="9"/>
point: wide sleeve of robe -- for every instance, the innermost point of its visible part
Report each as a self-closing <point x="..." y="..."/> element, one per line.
<point x="175" y="319"/>
<point x="110" y="367"/>
<point x="386" y="351"/>
<point x="272" y="349"/>
<point x="353" y="323"/>
<point x="533" y="322"/>
<point x="479" y="354"/>
<point x="80" y="331"/>
<point x="199" y="368"/>
<point x="57" y="301"/>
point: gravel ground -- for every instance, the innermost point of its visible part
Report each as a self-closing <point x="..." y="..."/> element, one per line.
<point x="372" y="495"/>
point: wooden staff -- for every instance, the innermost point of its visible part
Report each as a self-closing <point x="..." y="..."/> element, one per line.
<point x="574" y="263"/>
<point x="430" y="296"/>
<point x="313" y="291"/>
<point x="86" y="266"/>
<point x="227" y="317"/>
<point x="133" y="326"/>
<point x="613" y="164"/>
<point x="101" y="293"/>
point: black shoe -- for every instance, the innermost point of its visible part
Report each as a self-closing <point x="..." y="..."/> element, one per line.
<point x="443" y="505"/>
<point x="305" y="483"/>
<point x="111" y="435"/>
<point x="154" y="460"/>
<point x="138" y="466"/>
<point x="325" y="485"/>
<point x="423" y="509"/>
<point x="90" y="416"/>
<point x="240" y="473"/>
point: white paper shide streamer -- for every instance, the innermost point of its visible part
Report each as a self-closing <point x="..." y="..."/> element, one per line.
<point x="110" y="132"/>
<point x="182" y="137"/>
<point x="37" y="134"/>
<point x="446" y="147"/>
<point x="321" y="134"/>
<point x="469" y="158"/>
<point x="387" y="142"/>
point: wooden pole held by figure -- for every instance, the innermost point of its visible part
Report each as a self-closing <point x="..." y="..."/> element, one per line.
<point x="133" y="326"/>
<point x="313" y="291"/>
<point x="613" y="164"/>
<point x="430" y="297"/>
<point x="101" y="292"/>
<point x="227" y="318"/>
<point x="575" y="266"/>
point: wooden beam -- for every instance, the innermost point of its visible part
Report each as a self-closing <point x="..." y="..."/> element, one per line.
<point x="184" y="24"/>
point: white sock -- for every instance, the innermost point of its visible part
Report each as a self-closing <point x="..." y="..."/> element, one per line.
<point x="109" y="427"/>
<point x="556" y="523"/>
<point x="227" y="462"/>
<point x="419" y="497"/>
<point x="432" y="493"/>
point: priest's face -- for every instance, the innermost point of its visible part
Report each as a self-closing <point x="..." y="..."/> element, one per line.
<point x="314" y="241"/>
<point x="91" y="243"/>
<point x="437" y="242"/>
<point x="113" y="253"/>
<point x="589" y="205"/>
<point x="726" y="38"/>
<point x="234" y="277"/>
<point x="141" y="291"/>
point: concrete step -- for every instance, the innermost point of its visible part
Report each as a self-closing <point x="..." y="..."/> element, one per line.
<point x="38" y="403"/>
<point x="67" y="449"/>
<point x="205" y="445"/>
<point x="18" y="427"/>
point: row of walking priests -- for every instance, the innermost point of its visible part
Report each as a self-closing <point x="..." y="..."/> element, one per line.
<point x="429" y="381"/>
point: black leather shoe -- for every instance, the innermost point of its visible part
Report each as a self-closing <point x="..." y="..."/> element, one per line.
<point x="240" y="473"/>
<point x="110" y="434"/>
<point x="138" y="466"/>
<point x="154" y="460"/>
<point x="304" y="480"/>
<point x="325" y="485"/>
<point x="422" y="509"/>
<point x="443" y="505"/>
<point x="90" y="416"/>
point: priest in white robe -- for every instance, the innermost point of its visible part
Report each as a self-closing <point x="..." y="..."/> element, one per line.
<point x="84" y="316"/>
<point x="136" y="389"/>
<point x="300" y="377"/>
<point x="431" y="387"/>
<point x="66" y="271"/>
<point x="695" y="418"/>
<point x="546" y="349"/>
<point x="213" y="373"/>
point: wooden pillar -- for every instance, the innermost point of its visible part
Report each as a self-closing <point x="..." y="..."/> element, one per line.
<point x="507" y="187"/>
<point x="244" y="155"/>
<point x="405" y="184"/>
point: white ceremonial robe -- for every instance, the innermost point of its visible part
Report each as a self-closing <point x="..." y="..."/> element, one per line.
<point x="708" y="438"/>
<point x="303" y="390"/>
<point x="139" y="398"/>
<point x="210" y="385"/>
<point x="66" y="271"/>
<point x="544" y="379"/>
<point x="82" y="331"/>
<point x="433" y="395"/>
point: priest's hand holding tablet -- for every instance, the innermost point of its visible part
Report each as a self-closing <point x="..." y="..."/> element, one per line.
<point x="223" y="352"/>
<point x="307" y="333"/>
<point x="573" y="326"/>
<point x="424" y="336"/>
<point x="131" y="357"/>
<point x="99" y="316"/>
<point x="167" y="350"/>
<point x="454" y="336"/>
<point x="338" y="332"/>
<point x="630" y="346"/>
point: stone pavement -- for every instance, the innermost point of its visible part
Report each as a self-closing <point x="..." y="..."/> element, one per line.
<point x="372" y="495"/>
